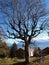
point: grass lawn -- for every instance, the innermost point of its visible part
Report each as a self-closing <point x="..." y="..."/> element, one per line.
<point x="7" y="61"/>
<point x="15" y="61"/>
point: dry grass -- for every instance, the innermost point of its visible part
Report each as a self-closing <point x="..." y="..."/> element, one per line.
<point x="7" y="61"/>
<point x="43" y="61"/>
<point x="15" y="61"/>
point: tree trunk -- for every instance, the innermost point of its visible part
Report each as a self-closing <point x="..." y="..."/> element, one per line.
<point x="26" y="53"/>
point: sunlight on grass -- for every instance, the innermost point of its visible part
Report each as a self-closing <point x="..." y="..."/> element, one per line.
<point x="32" y="59"/>
<point x="9" y="61"/>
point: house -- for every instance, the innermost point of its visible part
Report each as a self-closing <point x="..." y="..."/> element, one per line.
<point x="31" y="51"/>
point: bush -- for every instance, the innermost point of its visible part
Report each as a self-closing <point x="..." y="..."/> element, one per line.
<point x="20" y="53"/>
<point x="4" y="49"/>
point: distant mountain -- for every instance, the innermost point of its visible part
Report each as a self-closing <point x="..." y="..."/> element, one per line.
<point x="40" y="43"/>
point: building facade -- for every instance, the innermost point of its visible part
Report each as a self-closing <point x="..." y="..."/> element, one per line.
<point x="30" y="50"/>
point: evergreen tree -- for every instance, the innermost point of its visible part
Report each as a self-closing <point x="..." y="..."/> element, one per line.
<point x="13" y="50"/>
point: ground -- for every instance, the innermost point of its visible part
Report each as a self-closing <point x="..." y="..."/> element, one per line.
<point x="33" y="61"/>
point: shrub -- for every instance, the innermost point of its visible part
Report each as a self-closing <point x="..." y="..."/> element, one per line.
<point x="20" y="53"/>
<point x="4" y="49"/>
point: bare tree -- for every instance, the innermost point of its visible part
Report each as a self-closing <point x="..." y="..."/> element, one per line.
<point x="21" y="20"/>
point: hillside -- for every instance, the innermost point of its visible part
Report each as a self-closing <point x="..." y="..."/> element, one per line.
<point x="45" y="51"/>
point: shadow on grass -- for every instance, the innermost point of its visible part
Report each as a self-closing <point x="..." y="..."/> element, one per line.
<point x="20" y="63"/>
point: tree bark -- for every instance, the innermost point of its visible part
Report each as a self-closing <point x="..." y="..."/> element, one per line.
<point x="26" y="53"/>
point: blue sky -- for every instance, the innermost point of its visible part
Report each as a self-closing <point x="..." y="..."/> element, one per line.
<point x="47" y="3"/>
<point x="42" y="36"/>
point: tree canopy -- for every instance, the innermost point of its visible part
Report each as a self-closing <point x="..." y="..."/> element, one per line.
<point x="21" y="18"/>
